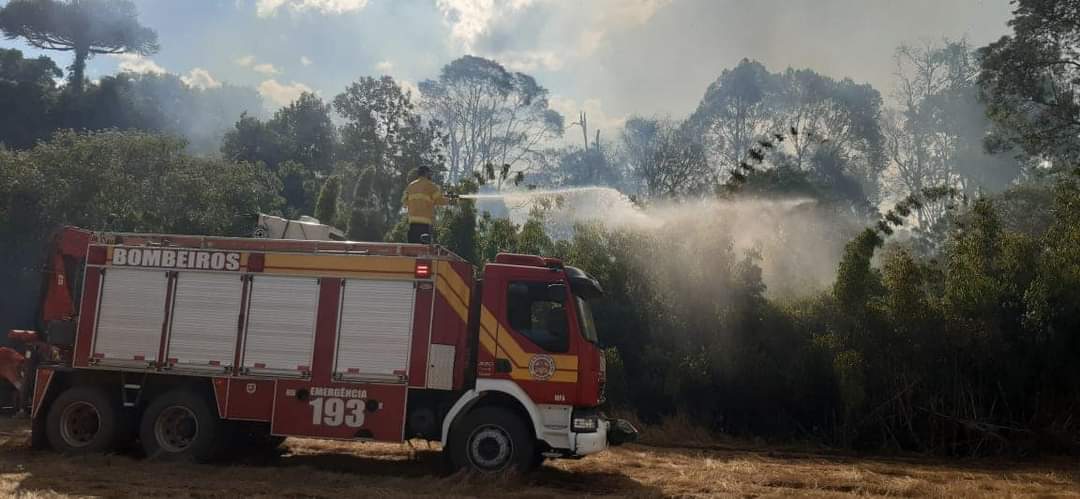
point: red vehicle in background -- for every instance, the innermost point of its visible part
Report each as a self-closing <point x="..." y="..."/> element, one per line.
<point x="188" y="344"/>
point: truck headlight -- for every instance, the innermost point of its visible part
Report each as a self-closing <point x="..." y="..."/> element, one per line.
<point x="584" y="424"/>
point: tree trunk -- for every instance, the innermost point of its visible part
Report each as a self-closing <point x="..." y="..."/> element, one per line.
<point x="78" y="69"/>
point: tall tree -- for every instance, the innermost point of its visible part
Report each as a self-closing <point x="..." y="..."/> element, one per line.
<point x="85" y="27"/>
<point x="735" y="112"/>
<point x="384" y="133"/>
<point x="1029" y="81"/>
<point x="936" y="137"/>
<point x="297" y="144"/>
<point x="830" y="126"/>
<point x="491" y="115"/>
<point x="307" y="133"/>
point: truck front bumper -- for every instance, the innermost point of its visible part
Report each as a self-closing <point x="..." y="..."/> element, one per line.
<point x="609" y="432"/>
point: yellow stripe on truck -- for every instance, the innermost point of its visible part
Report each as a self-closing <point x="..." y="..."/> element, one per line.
<point x="489" y="325"/>
<point x="446" y="271"/>
<point x="455" y="303"/>
<point x="385" y="267"/>
<point x="522" y="373"/>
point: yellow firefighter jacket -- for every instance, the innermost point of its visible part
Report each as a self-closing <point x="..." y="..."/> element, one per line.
<point x="421" y="197"/>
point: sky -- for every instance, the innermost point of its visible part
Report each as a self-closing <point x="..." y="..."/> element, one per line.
<point x="610" y="58"/>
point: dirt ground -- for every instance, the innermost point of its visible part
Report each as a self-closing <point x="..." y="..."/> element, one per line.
<point x="311" y="468"/>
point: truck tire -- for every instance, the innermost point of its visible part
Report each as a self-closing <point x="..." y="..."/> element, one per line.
<point x="82" y="420"/>
<point x="180" y="426"/>
<point x="491" y="440"/>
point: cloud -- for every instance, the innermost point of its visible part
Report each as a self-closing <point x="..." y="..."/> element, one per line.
<point x="281" y="94"/>
<point x="135" y="63"/>
<point x="469" y="19"/>
<point x="265" y="68"/>
<point x="534" y="34"/>
<point x="245" y="61"/>
<point x="305" y="61"/>
<point x="384" y="67"/>
<point x="200" y="78"/>
<point x="269" y="8"/>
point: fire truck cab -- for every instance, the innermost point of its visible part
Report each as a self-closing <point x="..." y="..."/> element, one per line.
<point x="188" y="344"/>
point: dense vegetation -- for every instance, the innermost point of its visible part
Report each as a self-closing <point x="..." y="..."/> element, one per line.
<point x="953" y="321"/>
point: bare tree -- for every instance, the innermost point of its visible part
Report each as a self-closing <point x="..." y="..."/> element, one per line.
<point x="666" y="157"/>
<point x="922" y="141"/>
<point x="491" y="116"/>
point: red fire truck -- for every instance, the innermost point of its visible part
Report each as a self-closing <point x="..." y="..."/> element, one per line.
<point x="183" y="343"/>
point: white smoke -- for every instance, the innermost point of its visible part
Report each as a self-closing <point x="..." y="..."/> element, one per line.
<point x="799" y="241"/>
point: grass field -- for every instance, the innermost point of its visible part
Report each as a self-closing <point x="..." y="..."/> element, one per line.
<point x="311" y="468"/>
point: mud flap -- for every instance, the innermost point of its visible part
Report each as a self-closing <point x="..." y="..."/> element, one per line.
<point x="38" y="439"/>
<point x="620" y="431"/>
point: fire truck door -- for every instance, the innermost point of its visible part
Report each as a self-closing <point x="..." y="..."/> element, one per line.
<point x="537" y="343"/>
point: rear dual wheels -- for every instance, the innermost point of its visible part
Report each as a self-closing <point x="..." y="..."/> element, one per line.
<point x="177" y="425"/>
<point x="492" y="440"/>
<point x="83" y="420"/>
<point x="180" y="426"/>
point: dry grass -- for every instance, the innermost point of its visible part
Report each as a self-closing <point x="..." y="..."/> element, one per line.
<point x="313" y="468"/>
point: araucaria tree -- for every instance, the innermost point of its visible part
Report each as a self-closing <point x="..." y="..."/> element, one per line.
<point x="86" y="27"/>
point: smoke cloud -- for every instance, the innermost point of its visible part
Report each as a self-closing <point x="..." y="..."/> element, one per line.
<point x="797" y="241"/>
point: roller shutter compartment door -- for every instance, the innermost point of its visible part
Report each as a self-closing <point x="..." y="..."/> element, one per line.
<point x="281" y="325"/>
<point x="206" y="313"/>
<point x="131" y="316"/>
<point x="375" y="329"/>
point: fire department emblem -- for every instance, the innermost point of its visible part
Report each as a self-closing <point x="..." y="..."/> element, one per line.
<point x="542" y="367"/>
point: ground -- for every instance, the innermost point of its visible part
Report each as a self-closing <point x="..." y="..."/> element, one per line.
<point x="311" y="468"/>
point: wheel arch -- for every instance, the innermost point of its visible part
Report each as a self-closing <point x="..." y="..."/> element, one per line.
<point x="500" y="393"/>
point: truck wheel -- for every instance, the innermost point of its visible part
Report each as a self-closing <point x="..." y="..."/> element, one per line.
<point x="82" y="420"/>
<point x="490" y="440"/>
<point x="179" y="426"/>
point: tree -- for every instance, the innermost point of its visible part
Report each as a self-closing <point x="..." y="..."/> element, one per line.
<point x="1028" y="81"/>
<point x="86" y="27"/>
<point x="297" y="144"/>
<point x="574" y="166"/>
<point x="833" y="133"/>
<point x="28" y="96"/>
<point x="828" y="128"/>
<point x="491" y="115"/>
<point x="666" y="157"/>
<point x="936" y="138"/>
<point x="639" y="136"/>
<point x="326" y="207"/>
<point x="385" y="134"/>
<point x="307" y="134"/>
<point x="130" y="181"/>
<point x="734" y="112"/>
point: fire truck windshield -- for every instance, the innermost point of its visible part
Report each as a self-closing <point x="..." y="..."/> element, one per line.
<point x="585" y="318"/>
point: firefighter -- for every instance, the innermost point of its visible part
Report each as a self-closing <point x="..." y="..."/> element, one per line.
<point x="420" y="199"/>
